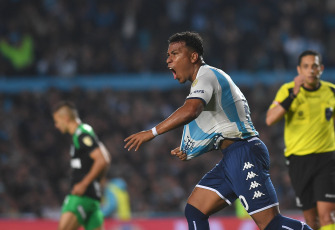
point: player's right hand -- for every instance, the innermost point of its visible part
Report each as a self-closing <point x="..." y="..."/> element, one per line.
<point x="137" y="139"/>
<point x="178" y="153"/>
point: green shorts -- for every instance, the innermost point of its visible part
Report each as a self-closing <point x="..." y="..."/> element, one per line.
<point x="86" y="209"/>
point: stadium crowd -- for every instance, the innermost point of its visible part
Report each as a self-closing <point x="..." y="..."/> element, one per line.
<point x="86" y="37"/>
<point x="67" y="38"/>
<point x="34" y="156"/>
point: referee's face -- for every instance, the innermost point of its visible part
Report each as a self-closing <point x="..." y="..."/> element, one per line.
<point x="311" y="68"/>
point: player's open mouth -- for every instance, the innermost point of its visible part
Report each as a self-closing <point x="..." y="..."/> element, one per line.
<point x="173" y="72"/>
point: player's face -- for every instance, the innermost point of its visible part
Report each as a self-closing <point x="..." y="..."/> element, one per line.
<point x="311" y="68"/>
<point x="179" y="60"/>
<point x="60" y="122"/>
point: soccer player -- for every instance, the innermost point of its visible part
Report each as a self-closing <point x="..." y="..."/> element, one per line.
<point x="308" y="104"/>
<point x="216" y="115"/>
<point x="89" y="161"/>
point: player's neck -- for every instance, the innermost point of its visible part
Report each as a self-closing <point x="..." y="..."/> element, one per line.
<point x="73" y="126"/>
<point x="196" y="70"/>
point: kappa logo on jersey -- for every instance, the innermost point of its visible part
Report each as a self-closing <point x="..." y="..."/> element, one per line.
<point x="188" y="144"/>
<point x="254" y="184"/>
<point x="247" y="165"/>
<point x="88" y="141"/>
<point x="257" y="194"/>
<point x="251" y="175"/>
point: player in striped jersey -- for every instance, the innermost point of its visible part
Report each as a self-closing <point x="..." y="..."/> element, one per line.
<point x="216" y="115"/>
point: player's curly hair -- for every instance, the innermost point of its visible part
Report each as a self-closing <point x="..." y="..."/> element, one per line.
<point x="191" y="39"/>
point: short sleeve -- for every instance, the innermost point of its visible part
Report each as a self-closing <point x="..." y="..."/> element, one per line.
<point x="202" y="88"/>
<point x="87" y="142"/>
<point x="282" y="93"/>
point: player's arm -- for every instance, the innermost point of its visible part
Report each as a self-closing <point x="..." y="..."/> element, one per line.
<point x="101" y="160"/>
<point x="183" y="115"/>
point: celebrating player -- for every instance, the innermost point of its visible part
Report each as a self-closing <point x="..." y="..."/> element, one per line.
<point x="216" y="115"/>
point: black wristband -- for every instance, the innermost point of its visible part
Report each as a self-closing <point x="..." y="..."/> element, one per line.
<point x="288" y="101"/>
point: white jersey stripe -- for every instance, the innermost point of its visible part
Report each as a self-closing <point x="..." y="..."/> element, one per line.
<point x="226" y="114"/>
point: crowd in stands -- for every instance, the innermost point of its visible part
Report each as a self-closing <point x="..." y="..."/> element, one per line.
<point x="84" y="37"/>
<point x="34" y="156"/>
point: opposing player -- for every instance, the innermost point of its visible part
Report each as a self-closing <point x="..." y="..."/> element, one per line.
<point x="308" y="104"/>
<point x="216" y="116"/>
<point x="89" y="161"/>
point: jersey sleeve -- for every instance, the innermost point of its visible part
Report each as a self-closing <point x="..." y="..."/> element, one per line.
<point x="87" y="142"/>
<point x="202" y="88"/>
<point x="282" y="93"/>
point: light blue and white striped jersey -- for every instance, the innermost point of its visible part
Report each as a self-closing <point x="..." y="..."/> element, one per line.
<point x="226" y="113"/>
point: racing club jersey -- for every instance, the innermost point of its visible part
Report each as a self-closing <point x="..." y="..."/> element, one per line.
<point x="84" y="142"/>
<point x="226" y="113"/>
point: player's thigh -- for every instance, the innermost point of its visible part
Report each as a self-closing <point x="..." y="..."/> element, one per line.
<point x="95" y="221"/>
<point x="207" y="201"/>
<point x="68" y="221"/>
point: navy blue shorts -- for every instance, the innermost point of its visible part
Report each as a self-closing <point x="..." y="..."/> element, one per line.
<point x="243" y="173"/>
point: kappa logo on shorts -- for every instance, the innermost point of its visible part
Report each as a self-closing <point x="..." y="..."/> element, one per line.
<point x="258" y="194"/>
<point x="251" y="175"/>
<point x="254" y="184"/>
<point x="247" y="165"/>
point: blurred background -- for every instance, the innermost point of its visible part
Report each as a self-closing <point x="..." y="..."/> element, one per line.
<point x="109" y="58"/>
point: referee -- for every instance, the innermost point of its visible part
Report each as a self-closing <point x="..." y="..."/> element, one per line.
<point x="308" y="103"/>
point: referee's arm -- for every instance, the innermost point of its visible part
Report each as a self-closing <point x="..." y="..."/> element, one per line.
<point x="274" y="114"/>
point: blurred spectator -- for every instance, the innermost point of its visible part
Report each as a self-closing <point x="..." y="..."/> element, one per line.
<point x="18" y="51"/>
<point x="115" y="202"/>
<point x="91" y="37"/>
<point x="34" y="167"/>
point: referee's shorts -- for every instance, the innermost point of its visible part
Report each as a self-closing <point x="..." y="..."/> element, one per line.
<point x="313" y="178"/>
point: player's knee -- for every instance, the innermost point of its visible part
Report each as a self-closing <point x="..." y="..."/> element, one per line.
<point x="193" y="213"/>
<point x="280" y="222"/>
<point x="195" y="218"/>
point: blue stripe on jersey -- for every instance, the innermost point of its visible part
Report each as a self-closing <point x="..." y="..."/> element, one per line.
<point x="197" y="135"/>
<point x="228" y="103"/>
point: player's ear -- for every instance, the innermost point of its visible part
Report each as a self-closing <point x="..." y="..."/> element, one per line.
<point x="194" y="57"/>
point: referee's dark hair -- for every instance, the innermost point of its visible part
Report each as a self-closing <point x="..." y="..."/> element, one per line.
<point x="309" y="52"/>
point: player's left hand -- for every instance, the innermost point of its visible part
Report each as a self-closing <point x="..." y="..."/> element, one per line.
<point x="178" y="153"/>
<point x="79" y="189"/>
<point x="137" y="139"/>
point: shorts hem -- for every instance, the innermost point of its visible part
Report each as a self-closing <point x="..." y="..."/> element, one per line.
<point x="217" y="192"/>
<point x="262" y="209"/>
